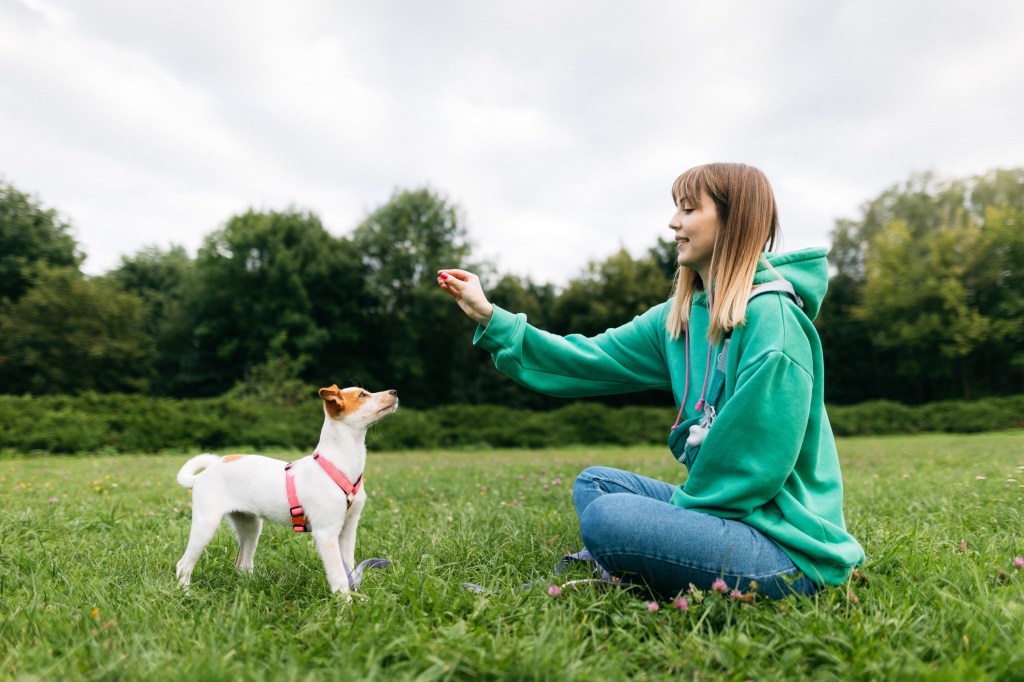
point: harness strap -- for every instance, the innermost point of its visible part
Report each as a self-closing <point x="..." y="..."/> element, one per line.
<point x="300" y="523"/>
<point x="341" y="479"/>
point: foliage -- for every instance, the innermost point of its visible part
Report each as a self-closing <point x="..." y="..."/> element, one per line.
<point x="928" y="297"/>
<point x="277" y="381"/>
<point x="162" y="280"/>
<point x="939" y="597"/>
<point x="281" y="412"/>
<point x="30" y="235"/>
<point x="402" y="244"/>
<point x="70" y="334"/>
<point x="610" y="292"/>
<point x="265" y="274"/>
<point x="926" y="303"/>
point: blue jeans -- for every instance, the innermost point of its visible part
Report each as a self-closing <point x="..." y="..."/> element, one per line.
<point x="629" y="526"/>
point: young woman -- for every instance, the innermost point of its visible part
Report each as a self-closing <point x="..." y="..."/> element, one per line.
<point x="736" y="345"/>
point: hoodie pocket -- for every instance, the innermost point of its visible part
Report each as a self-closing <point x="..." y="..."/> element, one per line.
<point x="681" y="444"/>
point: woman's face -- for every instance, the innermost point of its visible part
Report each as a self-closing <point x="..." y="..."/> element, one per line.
<point x="695" y="231"/>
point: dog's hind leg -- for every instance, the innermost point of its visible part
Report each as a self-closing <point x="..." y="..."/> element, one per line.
<point x="248" y="528"/>
<point x="204" y="526"/>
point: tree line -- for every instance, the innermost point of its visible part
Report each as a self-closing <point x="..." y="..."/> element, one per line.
<point x="926" y="302"/>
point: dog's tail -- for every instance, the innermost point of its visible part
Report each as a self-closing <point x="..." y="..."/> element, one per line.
<point x="187" y="473"/>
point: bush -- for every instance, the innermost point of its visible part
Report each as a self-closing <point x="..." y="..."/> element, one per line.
<point x="93" y="422"/>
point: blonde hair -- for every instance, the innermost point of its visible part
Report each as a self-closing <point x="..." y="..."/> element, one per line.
<point x="749" y="225"/>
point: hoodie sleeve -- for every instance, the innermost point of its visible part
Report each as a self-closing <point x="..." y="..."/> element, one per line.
<point x="749" y="452"/>
<point x="621" y="360"/>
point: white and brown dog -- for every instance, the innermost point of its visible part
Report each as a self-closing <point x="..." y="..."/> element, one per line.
<point x="249" y="488"/>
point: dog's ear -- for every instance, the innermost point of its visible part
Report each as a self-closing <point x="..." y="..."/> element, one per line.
<point x="334" y="403"/>
<point x="332" y="392"/>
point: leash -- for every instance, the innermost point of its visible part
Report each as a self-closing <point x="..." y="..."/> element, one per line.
<point x="355" y="576"/>
<point x="582" y="556"/>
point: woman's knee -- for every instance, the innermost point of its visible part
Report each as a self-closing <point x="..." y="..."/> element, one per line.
<point x="605" y="521"/>
<point x="587" y="487"/>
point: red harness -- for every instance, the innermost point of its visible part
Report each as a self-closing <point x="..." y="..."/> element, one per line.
<point x="300" y="524"/>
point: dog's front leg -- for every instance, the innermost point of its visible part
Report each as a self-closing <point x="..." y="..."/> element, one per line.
<point x="348" y="532"/>
<point x="330" y="553"/>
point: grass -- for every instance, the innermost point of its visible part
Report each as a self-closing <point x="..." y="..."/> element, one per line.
<point x="87" y="586"/>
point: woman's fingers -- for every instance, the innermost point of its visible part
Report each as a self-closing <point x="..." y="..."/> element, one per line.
<point x="465" y="288"/>
<point x="455" y="280"/>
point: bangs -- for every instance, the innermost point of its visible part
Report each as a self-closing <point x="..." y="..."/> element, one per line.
<point x="690" y="185"/>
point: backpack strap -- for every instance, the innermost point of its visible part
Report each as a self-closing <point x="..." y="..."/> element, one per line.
<point x="781" y="286"/>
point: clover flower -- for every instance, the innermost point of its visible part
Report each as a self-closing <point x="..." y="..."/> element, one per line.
<point x="681" y="603"/>
<point x="720" y="586"/>
<point x="652" y="606"/>
<point x="554" y="591"/>
<point x="1018" y="562"/>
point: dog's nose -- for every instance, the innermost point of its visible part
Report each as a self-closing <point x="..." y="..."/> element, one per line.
<point x="393" y="392"/>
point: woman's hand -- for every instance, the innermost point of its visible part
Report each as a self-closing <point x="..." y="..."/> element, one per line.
<point x="465" y="288"/>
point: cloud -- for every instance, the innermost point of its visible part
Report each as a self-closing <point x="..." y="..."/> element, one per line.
<point x="558" y="127"/>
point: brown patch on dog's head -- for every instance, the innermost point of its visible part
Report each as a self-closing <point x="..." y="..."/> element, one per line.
<point x="339" y="402"/>
<point x="231" y="458"/>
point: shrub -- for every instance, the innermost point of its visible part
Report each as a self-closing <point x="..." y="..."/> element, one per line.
<point x="93" y="422"/>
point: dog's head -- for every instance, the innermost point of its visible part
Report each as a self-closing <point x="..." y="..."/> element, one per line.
<point x="356" y="406"/>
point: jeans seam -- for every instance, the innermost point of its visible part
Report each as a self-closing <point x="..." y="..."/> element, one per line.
<point x="632" y="490"/>
<point x="683" y="564"/>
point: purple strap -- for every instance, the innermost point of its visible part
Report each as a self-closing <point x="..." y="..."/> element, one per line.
<point x="355" y="576"/>
<point x="582" y="555"/>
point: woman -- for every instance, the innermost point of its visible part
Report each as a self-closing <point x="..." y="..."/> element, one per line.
<point x="736" y="345"/>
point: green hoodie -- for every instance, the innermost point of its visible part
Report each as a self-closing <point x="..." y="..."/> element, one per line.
<point x="769" y="458"/>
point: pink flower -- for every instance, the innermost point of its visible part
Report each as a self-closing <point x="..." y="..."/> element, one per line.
<point x="719" y="586"/>
<point x="681" y="603"/>
<point x="652" y="606"/>
<point x="853" y="597"/>
<point x="557" y="481"/>
<point x="1018" y="562"/>
<point x="554" y="591"/>
<point x="735" y="594"/>
<point x="53" y="500"/>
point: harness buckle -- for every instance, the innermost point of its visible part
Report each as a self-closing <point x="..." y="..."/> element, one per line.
<point x="349" y="499"/>
<point x="300" y="527"/>
<point x="297" y="510"/>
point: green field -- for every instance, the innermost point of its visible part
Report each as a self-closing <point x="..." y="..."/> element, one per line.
<point x="88" y="546"/>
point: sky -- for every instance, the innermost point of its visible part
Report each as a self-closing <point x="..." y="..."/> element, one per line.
<point x="557" y="127"/>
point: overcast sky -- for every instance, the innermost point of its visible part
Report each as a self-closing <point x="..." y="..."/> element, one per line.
<point x="557" y="127"/>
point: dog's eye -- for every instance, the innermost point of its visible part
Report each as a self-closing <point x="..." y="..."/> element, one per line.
<point x="364" y="394"/>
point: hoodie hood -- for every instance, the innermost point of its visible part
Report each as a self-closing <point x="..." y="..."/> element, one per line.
<point x="806" y="270"/>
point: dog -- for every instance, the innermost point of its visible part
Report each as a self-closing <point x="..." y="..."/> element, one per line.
<point x="250" y="488"/>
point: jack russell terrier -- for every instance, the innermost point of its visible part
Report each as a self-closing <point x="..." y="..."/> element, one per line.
<point x="249" y="488"/>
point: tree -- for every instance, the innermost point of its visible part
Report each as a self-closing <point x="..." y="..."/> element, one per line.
<point x="72" y="334"/>
<point x="267" y="274"/>
<point x="402" y="244"/>
<point x="610" y="293"/>
<point x="933" y="276"/>
<point x="161" y="279"/>
<point x="29" y="235"/>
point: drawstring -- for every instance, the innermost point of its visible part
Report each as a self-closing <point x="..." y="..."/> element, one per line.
<point x="704" y="389"/>
<point x="707" y="370"/>
<point x="686" y="389"/>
